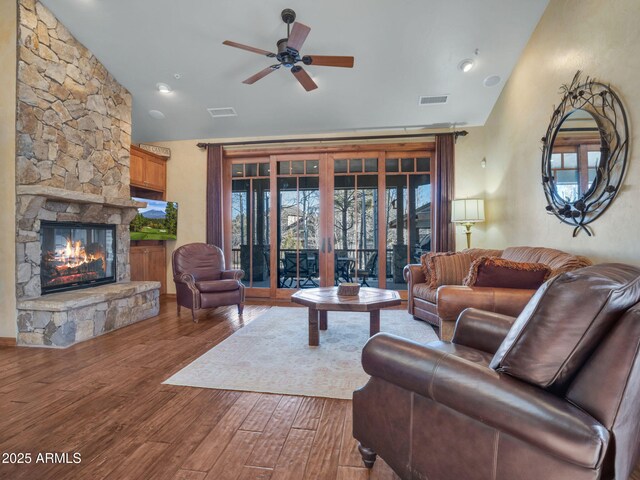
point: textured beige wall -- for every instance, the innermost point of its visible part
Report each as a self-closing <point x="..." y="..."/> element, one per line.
<point x="186" y="184"/>
<point x="470" y="181"/>
<point x="8" y="36"/>
<point x="601" y="38"/>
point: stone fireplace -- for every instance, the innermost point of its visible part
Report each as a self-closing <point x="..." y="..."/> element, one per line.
<point x="73" y="134"/>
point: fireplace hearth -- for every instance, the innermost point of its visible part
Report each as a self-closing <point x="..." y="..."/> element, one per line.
<point x="76" y="255"/>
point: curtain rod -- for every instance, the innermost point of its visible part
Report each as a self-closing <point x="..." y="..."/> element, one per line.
<point x="456" y="134"/>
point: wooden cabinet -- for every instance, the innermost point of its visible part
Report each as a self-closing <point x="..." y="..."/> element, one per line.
<point x="148" y="262"/>
<point x="147" y="170"/>
<point x="148" y="180"/>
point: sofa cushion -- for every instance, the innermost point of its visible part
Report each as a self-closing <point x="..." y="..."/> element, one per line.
<point x="555" y="334"/>
<point x="425" y="292"/>
<point x="213" y="286"/>
<point x="448" y="268"/>
<point x="500" y="273"/>
<point x="482" y="252"/>
<point x="557" y="260"/>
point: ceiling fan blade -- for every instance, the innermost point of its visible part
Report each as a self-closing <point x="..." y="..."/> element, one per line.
<point x="248" y="48"/>
<point x="328" y="61"/>
<point x="297" y="36"/>
<point x="303" y="77"/>
<point x="261" y="74"/>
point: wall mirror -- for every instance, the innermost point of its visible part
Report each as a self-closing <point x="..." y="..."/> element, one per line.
<point x="584" y="154"/>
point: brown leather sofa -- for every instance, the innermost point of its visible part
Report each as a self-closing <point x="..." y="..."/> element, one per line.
<point x="545" y="396"/>
<point x="441" y="307"/>
<point x="202" y="281"/>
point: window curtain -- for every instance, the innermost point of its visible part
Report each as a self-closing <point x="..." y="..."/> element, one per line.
<point x="214" y="196"/>
<point x="443" y="230"/>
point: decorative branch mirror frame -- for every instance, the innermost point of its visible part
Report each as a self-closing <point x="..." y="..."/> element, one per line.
<point x="590" y="180"/>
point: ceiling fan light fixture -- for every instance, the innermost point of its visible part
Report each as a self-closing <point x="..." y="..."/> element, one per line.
<point x="163" y="88"/>
<point x="466" y="65"/>
<point x="156" y="114"/>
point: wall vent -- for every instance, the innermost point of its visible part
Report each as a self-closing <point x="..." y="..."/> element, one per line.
<point x="222" y="112"/>
<point x="433" y="99"/>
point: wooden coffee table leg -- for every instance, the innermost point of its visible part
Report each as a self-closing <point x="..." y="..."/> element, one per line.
<point x="374" y="322"/>
<point x="323" y="319"/>
<point x="314" y="335"/>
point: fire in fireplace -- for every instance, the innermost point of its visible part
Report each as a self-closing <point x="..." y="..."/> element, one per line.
<point x="76" y="255"/>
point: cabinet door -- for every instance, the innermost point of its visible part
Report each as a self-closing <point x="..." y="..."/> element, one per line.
<point x="155" y="173"/>
<point x="137" y="259"/>
<point x="136" y="168"/>
<point x="156" y="262"/>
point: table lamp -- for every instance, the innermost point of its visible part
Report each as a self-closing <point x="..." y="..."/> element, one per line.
<point x="466" y="212"/>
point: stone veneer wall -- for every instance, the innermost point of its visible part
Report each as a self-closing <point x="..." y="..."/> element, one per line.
<point x="66" y="318"/>
<point x="73" y="131"/>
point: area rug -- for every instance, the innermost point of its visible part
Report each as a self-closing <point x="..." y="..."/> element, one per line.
<point x="272" y="355"/>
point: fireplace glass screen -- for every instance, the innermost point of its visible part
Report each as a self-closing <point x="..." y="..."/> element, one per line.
<point x="76" y="255"/>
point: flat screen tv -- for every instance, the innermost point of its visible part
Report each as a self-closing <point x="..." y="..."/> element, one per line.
<point x="157" y="221"/>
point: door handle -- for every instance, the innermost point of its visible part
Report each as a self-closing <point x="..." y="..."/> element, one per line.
<point x="328" y="245"/>
<point x="322" y="247"/>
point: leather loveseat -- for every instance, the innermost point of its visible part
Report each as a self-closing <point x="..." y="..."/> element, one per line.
<point x="553" y="394"/>
<point x="441" y="306"/>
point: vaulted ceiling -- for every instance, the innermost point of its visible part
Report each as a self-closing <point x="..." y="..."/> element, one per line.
<point x="403" y="49"/>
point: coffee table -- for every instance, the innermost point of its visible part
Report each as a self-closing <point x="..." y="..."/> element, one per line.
<point x="324" y="299"/>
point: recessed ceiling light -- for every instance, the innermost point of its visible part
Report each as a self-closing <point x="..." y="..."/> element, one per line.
<point x="492" y="81"/>
<point x="157" y="114"/>
<point x="163" y="88"/>
<point x="466" y="65"/>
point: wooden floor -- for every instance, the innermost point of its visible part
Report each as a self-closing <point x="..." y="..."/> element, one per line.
<point x="105" y="400"/>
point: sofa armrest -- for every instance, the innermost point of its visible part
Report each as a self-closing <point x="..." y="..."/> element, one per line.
<point x="185" y="278"/>
<point x="453" y="299"/>
<point x="232" y="275"/>
<point x="481" y="330"/>
<point x="187" y="294"/>
<point x="412" y="274"/>
<point x="516" y="408"/>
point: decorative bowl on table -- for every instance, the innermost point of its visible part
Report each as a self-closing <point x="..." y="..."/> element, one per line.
<point x="348" y="289"/>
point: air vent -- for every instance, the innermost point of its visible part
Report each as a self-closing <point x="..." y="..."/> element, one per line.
<point x="433" y="100"/>
<point x="222" y="112"/>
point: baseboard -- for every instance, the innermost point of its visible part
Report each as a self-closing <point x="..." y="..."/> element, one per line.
<point x="7" y="342"/>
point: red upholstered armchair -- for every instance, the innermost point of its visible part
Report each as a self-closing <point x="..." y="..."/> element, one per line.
<point x="201" y="280"/>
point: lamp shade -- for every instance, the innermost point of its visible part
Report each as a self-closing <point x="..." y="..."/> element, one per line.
<point x="467" y="210"/>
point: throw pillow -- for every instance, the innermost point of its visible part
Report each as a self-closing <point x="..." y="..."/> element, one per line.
<point x="564" y="322"/>
<point x="500" y="273"/>
<point x="424" y="260"/>
<point x="448" y="268"/>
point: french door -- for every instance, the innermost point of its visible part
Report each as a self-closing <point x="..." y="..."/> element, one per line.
<point x="318" y="219"/>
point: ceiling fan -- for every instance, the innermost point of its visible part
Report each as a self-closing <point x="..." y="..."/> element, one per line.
<point x="289" y="54"/>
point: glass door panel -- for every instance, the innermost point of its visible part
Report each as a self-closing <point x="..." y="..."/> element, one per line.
<point x="250" y="210"/>
<point x="240" y="218"/>
<point x="298" y="224"/>
<point x="395" y="201"/>
<point x="408" y="200"/>
<point x="367" y="257"/>
<point x="260" y="255"/>
<point x="355" y="221"/>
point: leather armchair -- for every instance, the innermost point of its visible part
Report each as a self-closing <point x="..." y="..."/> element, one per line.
<point x="202" y="281"/>
<point x="445" y="410"/>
